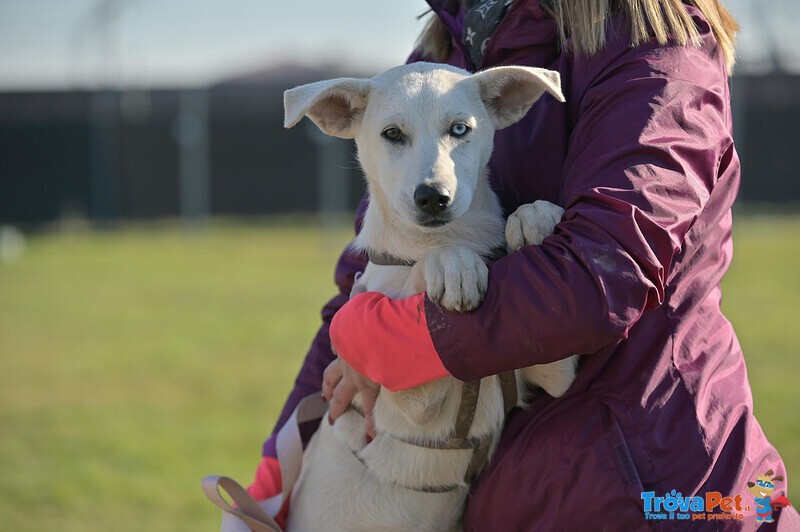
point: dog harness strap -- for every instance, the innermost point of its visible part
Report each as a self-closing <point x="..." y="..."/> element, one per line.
<point x="508" y="384"/>
<point x="464" y="418"/>
<point x="460" y="440"/>
<point x="425" y="489"/>
<point x="448" y="444"/>
<point x="479" y="457"/>
<point x="466" y="410"/>
<point x="366" y="308"/>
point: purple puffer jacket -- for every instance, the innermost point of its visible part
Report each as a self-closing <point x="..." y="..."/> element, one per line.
<point x="642" y="158"/>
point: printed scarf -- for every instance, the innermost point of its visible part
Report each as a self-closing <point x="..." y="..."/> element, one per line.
<point x="480" y="21"/>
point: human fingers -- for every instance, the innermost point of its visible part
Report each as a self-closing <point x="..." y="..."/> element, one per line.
<point x="331" y="378"/>
<point x="368" y="390"/>
<point x="341" y="397"/>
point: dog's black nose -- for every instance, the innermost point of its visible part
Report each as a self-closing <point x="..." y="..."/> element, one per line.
<point x="430" y="200"/>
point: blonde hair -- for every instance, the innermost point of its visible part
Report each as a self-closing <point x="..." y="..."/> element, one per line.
<point x="583" y="21"/>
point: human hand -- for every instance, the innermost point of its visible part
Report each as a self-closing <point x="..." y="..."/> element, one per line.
<point x="340" y="384"/>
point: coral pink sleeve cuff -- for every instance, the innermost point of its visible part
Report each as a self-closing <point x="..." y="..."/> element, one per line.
<point x="387" y="340"/>
<point x="268" y="479"/>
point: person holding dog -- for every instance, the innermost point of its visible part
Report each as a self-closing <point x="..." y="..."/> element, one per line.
<point x="642" y="159"/>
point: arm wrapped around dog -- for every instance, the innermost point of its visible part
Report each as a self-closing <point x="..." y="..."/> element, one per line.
<point x="386" y="340"/>
<point x="628" y="211"/>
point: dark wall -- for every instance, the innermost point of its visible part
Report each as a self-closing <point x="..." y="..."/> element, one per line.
<point x="148" y="159"/>
<point x="258" y="167"/>
<point x="108" y="155"/>
<point x="88" y="153"/>
<point x="768" y="138"/>
<point x="44" y="156"/>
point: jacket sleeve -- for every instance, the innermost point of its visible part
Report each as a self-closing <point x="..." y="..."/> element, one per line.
<point x="648" y="135"/>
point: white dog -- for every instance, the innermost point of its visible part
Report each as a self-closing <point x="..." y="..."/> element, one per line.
<point x="424" y="134"/>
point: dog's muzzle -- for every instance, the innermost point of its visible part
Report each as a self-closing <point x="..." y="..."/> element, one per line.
<point x="432" y="205"/>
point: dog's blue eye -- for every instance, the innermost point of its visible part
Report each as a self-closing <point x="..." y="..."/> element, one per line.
<point x="392" y="134"/>
<point x="459" y="129"/>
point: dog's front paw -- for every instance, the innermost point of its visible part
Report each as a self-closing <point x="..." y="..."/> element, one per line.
<point x="531" y="224"/>
<point x="456" y="278"/>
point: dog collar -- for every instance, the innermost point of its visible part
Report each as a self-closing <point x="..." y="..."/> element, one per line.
<point x="384" y="258"/>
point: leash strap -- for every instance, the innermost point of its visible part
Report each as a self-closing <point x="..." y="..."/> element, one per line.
<point x="289" y="444"/>
<point x="246" y="509"/>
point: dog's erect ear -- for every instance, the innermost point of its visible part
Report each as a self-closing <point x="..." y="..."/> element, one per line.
<point x="751" y="484"/>
<point x="778" y="478"/>
<point x="509" y="91"/>
<point x="336" y="105"/>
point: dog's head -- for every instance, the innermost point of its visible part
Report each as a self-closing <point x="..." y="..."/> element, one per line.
<point x="424" y="132"/>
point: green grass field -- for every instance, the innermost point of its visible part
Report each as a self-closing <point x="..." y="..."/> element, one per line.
<point x="134" y="362"/>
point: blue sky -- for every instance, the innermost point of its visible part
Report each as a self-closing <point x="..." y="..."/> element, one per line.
<point x="52" y="43"/>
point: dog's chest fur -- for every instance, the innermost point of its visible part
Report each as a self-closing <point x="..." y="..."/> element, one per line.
<point x="342" y="473"/>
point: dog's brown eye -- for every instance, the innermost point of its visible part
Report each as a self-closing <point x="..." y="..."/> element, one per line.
<point x="392" y="134"/>
<point x="459" y="129"/>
